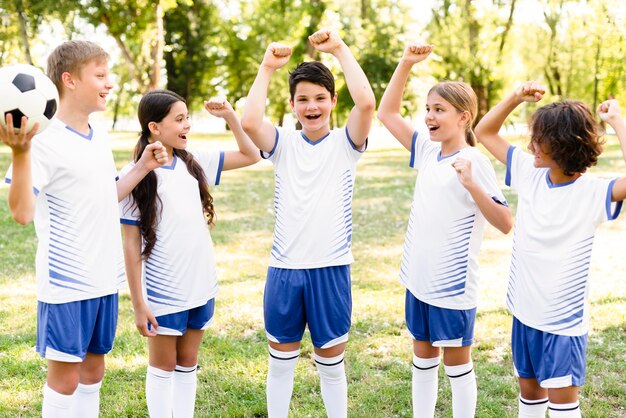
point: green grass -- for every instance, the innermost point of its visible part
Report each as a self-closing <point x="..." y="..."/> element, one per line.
<point x="233" y="356"/>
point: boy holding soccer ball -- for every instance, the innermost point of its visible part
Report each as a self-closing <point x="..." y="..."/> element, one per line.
<point x="64" y="179"/>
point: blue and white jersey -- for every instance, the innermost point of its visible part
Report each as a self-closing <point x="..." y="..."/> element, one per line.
<point x="440" y="260"/>
<point x="554" y="230"/>
<point x="314" y="183"/>
<point x="180" y="272"/>
<point x="79" y="251"/>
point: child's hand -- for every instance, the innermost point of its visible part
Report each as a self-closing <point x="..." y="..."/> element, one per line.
<point x="530" y="91"/>
<point x="18" y="141"/>
<point x="219" y="108"/>
<point x="326" y="40"/>
<point x="276" y="55"/>
<point x="154" y="156"/>
<point x="463" y="169"/>
<point x="609" y="111"/>
<point x="143" y="316"/>
<point x="415" y="53"/>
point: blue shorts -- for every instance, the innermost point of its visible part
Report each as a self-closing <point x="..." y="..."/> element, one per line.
<point x="319" y="297"/>
<point x="68" y="331"/>
<point x="556" y="361"/>
<point x="179" y="322"/>
<point x="442" y="327"/>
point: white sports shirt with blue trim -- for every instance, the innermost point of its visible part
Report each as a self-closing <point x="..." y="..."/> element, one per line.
<point x="445" y="230"/>
<point x="554" y="230"/>
<point x="180" y="272"/>
<point x="314" y="183"/>
<point x="79" y="250"/>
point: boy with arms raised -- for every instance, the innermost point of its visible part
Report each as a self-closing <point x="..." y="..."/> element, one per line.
<point x="79" y="264"/>
<point x="559" y="209"/>
<point x="308" y="280"/>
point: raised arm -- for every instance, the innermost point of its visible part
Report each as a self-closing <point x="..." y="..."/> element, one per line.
<point x="609" y="112"/>
<point x="153" y="156"/>
<point x="487" y="130"/>
<point x="360" y="119"/>
<point x="21" y="197"/>
<point x="389" y="108"/>
<point x="248" y="153"/>
<point x="260" y="131"/>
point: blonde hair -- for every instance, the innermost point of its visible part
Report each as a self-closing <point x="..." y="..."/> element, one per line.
<point x="70" y="57"/>
<point x="461" y="96"/>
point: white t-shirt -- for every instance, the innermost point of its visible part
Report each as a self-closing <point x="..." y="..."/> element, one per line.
<point x="314" y="183"/>
<point x="554" y="231"/>
<point x="445" y="230"/>
<point x="79" y="251"/>
<point x="180" y="272"/>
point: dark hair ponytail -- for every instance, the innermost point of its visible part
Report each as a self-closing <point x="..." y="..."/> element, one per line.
<point x="153" y="107"/>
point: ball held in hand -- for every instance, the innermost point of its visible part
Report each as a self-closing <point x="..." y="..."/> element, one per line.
<point x="27" y="91"/>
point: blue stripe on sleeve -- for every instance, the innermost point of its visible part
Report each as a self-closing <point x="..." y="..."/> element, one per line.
<point x="266" y="155"/>
<point x="509" y="154"/>
<point x="219" y="168"/>
<point x="413" y="142"/>
<point x="618" y="206"/>
<point x="363" y="147"/>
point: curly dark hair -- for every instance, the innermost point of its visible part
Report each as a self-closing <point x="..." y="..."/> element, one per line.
<point x="568" y="131"/>
<point x="153" y="107"/>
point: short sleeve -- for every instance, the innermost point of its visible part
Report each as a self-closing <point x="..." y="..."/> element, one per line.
<point x="212" y="163"/>
<point x="484" y="175"/>
<point x="272" y="155"/>
<point x="421" y="147"/>
<point x="129" y="213"/>
<point x="519" y="168"/>
<point x="41" y="169"/>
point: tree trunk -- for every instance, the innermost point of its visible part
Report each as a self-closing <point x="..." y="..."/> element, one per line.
<point x="132" y="66"/>
<point x="24" y="34"/>
<point x="157" y="51"/>
<point x="596" y="74"/>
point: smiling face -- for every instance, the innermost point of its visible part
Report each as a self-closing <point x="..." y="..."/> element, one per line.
<point x="443" y="120"/>
<point x="92" y="85"/>
<point x="172" y="130"/>
<point x="312" y="104"/>
<point x="543" y="157"/>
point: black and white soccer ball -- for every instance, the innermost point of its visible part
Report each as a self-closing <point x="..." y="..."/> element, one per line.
<point x="26" y="91"/>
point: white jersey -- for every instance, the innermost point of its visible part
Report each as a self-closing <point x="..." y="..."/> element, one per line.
<point x="314" y="183"/>
<point x="554" y="231"/>
<point x="180" y="272"/>
<point x="445" y="230"/>
<point x="79" y="251"/>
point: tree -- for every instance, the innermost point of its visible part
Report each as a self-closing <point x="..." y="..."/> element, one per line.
<point x="21" y="20"/>
<point x="191" y="31"/>
<point x="136" y="26"/>
<point x="473" y="49"/>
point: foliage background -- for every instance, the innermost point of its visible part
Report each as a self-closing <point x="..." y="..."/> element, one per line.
<point x="213" y="47"/>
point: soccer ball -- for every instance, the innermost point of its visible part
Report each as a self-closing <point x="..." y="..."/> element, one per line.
<point x="27" y="91"/>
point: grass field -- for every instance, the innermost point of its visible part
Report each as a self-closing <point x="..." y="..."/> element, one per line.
<point x="233" y="357"/>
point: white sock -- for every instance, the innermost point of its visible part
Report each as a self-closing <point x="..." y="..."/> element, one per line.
<point x="185" y="384"/>
<point x="425" y="384"/>
<point x="159" y="392"/>
<point x="280" y="381"/>
<point x="334" y="386"/>
<point x="464" y="391"/>
<point x="86" y="401"/>
<point x="532" y="409"/>
<point x="564" y="410"/>
<point x="55" y="404"/>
